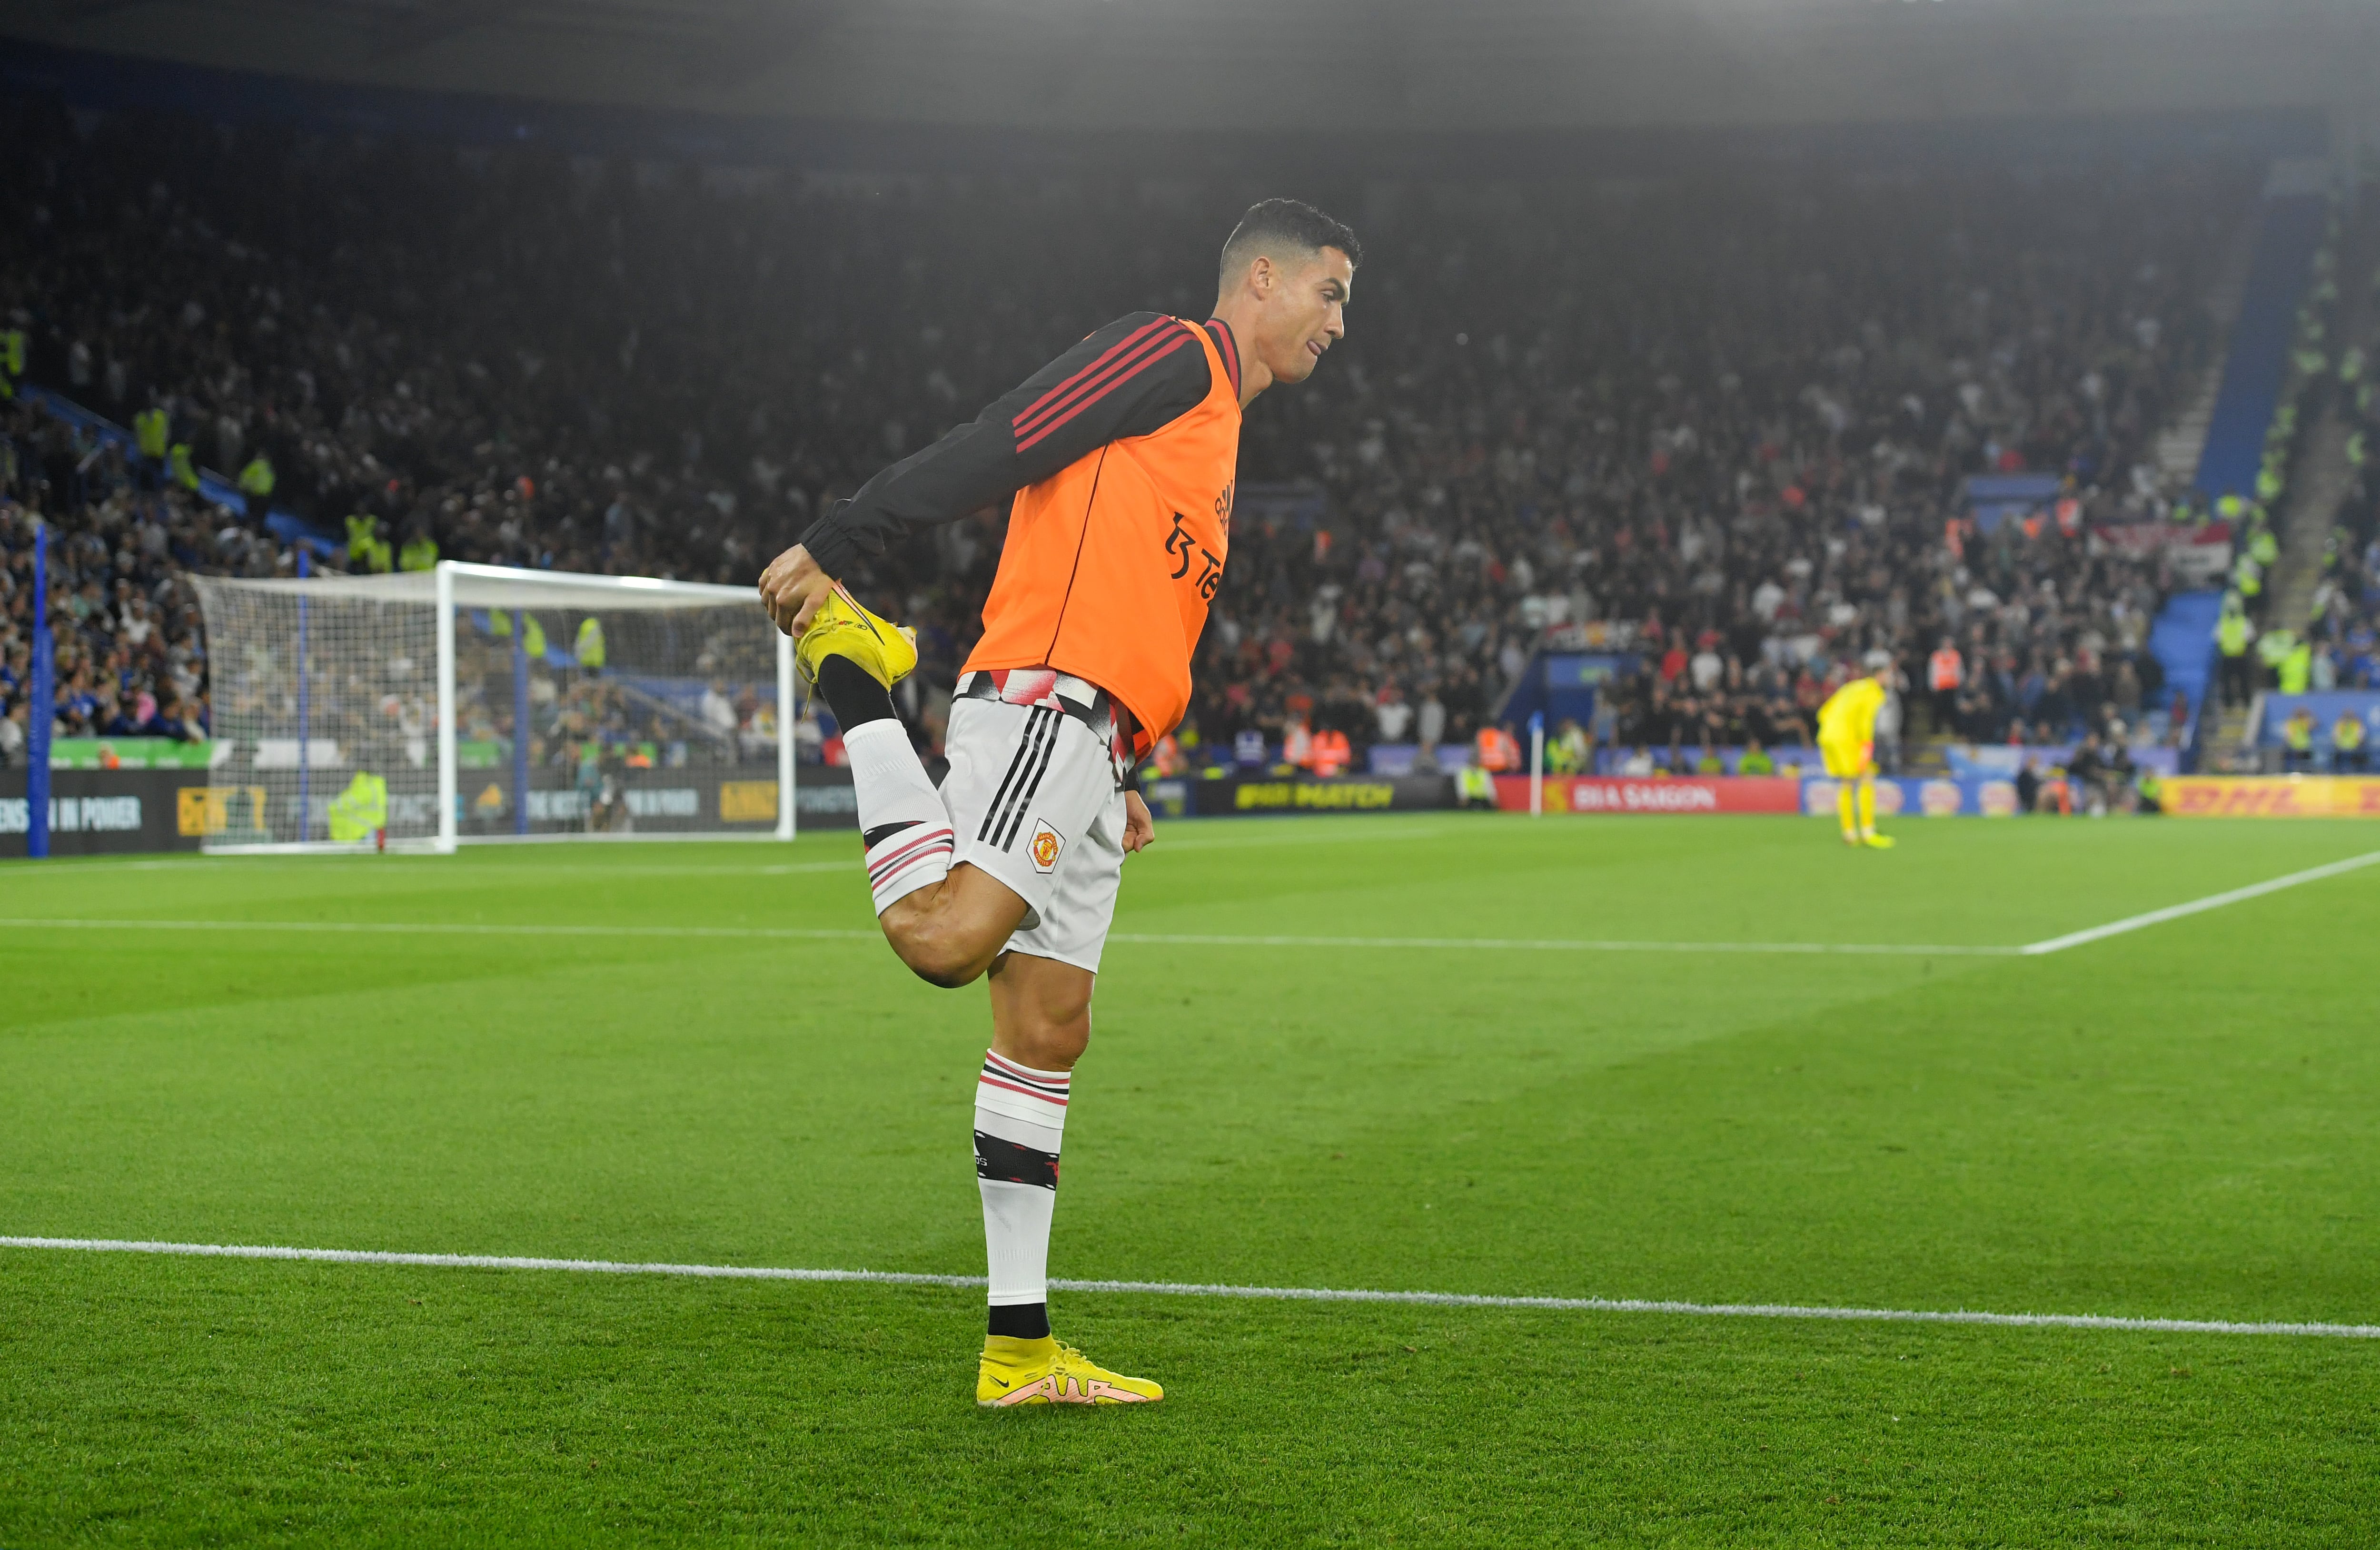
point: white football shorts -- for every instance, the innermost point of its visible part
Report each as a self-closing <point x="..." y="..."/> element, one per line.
<point x="1036" y="797"/>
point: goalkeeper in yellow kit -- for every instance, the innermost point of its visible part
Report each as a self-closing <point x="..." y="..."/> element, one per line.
<point x="1847" y="741"/>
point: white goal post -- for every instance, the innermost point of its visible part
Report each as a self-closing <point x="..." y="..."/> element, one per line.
<point x="476" y="704"/>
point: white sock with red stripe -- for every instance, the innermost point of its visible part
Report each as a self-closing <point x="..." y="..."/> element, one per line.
<point x="901" y="819"/>
<point x="1020" y="1117"/>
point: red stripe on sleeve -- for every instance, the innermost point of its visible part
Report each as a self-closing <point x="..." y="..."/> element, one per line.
<point x="1031" y="423"/>
<point x="1122" y="347"/>
<point x="1230" y="349"/>
<point x="1179" y="341"/>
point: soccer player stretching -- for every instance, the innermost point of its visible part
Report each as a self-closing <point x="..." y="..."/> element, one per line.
<point x="1121" y="456"/>
<point x="1847" y="741"/>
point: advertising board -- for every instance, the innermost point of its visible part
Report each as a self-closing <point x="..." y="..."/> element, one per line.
<point x="1815" y="794"/>
<point x="1676" y="794"/>
<point x="2272" y="797"/>
<point x="1237" y="796"/>
<point x="134" y="753"/>
<point x="649" y="802"/>
<point x="823" y="798"/>
<point x="1965" y="796"/>
<point x="2002" y="761"/>
<point x="103" y="812"/>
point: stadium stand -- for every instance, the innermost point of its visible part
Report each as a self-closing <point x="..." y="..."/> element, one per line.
<point x="130" y="658"/>
<point x="1718" y="426"/>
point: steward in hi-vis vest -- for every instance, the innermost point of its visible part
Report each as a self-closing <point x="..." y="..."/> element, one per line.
<point x="2296" y="670"/>
<point x="2232" y="633"/>
<point x="366" y="549"/>
<point x="2347" y="737"/>
<point x="148" y="431"/>
<point x="2297" y="739"/>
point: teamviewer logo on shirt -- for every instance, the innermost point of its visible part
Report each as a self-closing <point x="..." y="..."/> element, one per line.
<point x="1047" y="843"/>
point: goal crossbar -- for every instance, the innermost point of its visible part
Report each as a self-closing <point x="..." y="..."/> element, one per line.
<point x="475" y="586"/>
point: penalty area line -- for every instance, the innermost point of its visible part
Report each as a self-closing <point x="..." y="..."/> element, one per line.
<point x="1250" y="1293"/>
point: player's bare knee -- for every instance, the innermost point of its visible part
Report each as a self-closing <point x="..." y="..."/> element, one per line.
<point x="1061" y="1030"/>
<point x="939" y="951"/>
<point x="1068" y="1017"/>
<point x="1046" y="1046"/>
<point x="1065" y="1044"/>
<point x="944" y="974"/>
<point x="940" y="957"/>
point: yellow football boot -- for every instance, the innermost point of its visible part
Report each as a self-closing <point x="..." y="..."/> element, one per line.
<point x="1042" y="1372"/>
<point x="1876" y="842"/>
<point x="842" y="628"/>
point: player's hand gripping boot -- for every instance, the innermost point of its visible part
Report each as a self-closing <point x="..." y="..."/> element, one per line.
<point x="886" y="652"/>
<point x="1042" y="1372"/>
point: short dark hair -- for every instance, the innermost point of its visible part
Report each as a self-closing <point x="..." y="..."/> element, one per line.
<point x="1286" y="224"/>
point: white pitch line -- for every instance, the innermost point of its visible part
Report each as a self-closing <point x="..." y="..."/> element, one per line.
<point x="423" y="869"/>
<point x="427" y="865"/>
<point x="1182" y="1289"/>
<point x="453" y="929"/>
<point x="1248" y="841"/>
<point x="1523" y="944"/>
<point x="2195" y="906"/>
<point x="1135" y="938"/>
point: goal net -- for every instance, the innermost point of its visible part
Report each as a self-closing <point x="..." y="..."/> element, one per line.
<point x="477" y="703"/>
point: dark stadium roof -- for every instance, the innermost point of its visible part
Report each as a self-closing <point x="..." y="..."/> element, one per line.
<point x="1332" y="64"/>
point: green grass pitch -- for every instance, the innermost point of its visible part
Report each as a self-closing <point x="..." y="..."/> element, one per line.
<point x="2182" y="1121"/>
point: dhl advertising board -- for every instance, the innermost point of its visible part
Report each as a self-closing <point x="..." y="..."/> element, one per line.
<point x="2271" y="796"/>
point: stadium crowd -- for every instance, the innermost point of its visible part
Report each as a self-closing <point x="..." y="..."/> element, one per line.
<point x="1718" y="422"/>
<point x="2343" y="644"/>
<point x="129" y="651"/>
